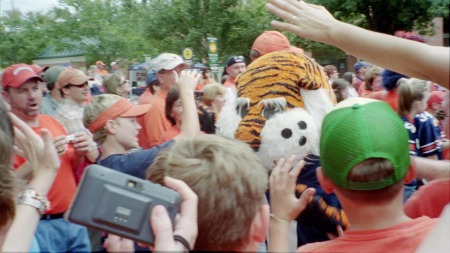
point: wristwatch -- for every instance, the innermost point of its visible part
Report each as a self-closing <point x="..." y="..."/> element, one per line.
<point x="34" y="199"/>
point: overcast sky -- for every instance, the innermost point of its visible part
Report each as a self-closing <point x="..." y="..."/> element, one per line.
<point x="28" y="5"/>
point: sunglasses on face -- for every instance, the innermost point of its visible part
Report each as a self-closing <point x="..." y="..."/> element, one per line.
<point x="124" y="82"/>
<point x="77" y="85"/>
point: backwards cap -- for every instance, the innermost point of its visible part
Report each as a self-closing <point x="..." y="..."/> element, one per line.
<point x="359" y="129"/>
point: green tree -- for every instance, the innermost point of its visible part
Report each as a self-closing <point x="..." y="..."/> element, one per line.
<point x="175" y="24"/>
<point x="22" y="37"/>
<point x="107" y="30"/>
<point x="388" y="16"/>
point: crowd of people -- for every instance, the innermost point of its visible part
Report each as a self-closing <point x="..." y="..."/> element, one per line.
<point x="384" y="150"/>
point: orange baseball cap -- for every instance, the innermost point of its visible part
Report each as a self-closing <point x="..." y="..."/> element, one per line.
<point x="271" y="41"/>
<point x="71" y="76"/>
<point x="17" y="74"/>
<point x="100" y="63"/>
<point x="121" y="108"/>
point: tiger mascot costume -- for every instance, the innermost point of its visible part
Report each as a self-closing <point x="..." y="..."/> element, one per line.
<point x="281" y="101"/>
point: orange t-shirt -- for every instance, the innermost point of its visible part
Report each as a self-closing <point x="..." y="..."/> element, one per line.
<point x="154" y="123"/>
<point x="63" y="189"/>
<point x="429" y="200"/>
<point x="392" y="99"/>
<point x="230" y="82"/>
<point x="403" y="237"/>
<point x="145" y="97"/>
<point x="170" y="134"/>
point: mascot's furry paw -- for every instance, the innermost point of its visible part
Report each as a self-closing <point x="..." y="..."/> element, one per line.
<point x="321" y="215"/>
<point x="286" y="133"/>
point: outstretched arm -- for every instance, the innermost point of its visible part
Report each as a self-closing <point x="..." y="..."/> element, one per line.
<point x="404" y="56"/>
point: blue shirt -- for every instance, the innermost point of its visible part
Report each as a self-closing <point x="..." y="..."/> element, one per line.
<point x="134" y="163"/>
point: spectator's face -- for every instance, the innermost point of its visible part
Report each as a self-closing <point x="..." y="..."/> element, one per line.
<point x="124" y="88"/>
<point x="334" y="75"/>
<point x="177" y="111"/>
<point x="219" y="102"/>
<point x="377" y="85"/>
<point x="127" y="130"/>
<point x="25" y="100"/>
<point x="77" y="93"/>
<point x="166" y="78"/>
<point x="236" y="69"/>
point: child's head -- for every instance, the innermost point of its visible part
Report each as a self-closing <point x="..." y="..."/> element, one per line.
<point x="435" y="100"/>
<point x="230" y="183"/>
<point x="105" y="109"/>
<point x="412" y="96"/>
<point x="372" y="78"/>
<point x="211" y="92"/>
<point x="340" y="88"/>
<point x="371" y="158"/>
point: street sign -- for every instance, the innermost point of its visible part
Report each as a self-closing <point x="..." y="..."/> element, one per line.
<point x="213" y="55"/>
<point x="188" y="54"/>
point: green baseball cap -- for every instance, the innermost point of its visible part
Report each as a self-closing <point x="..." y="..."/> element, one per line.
<point x="358" y="129"/>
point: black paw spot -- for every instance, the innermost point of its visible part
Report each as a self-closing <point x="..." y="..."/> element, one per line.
<point x="302" y="125"/>
<point x="302" y="141"/>
<point x="286" y="133"/>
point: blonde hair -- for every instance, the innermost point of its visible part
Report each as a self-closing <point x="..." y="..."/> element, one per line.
<point x="112" y="82"/>
<point x="230" y="183"/>
<point x="211" y="91"/>
<point x="410" y="90"/>
<point x="98" y="104"/>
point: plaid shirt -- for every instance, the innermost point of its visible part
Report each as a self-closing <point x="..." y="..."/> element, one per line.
<point x="70" y="115"/>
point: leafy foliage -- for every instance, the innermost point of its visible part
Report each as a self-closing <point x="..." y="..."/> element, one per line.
<point x="132" y="29"/>
<point x="388" y="16"/>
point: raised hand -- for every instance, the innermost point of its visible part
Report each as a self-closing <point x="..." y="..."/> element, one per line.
<point x="306" y="20"/>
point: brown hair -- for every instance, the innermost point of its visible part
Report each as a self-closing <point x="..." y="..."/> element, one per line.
<point x="370" y="75"/>
<point x="9" y="184"/>
<point x="172" y="96"/>
<point x="329" y="69"/>
<point x="339" y="86"/>
<point x="230" y="183"/>
<point x="372" y="170"/>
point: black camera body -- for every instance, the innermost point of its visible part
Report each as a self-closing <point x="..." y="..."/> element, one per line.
<point x="120" y="204"/>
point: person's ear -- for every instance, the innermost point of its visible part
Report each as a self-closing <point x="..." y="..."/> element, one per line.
<point x="110" y="126"/>
<point x="324" y="181"/>
<point x="260" y="224"/>
<point x="411" y="173"/>
<point x="6" y="97"/>
<point x="65" y="90"/>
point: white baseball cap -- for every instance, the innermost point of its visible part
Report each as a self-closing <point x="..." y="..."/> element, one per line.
<point x="168" y="61"/>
